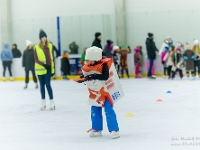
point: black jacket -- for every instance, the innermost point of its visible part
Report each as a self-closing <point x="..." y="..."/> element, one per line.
<point x="28" y="60"/>
<point x="65" y="66"/>
<point x="16" y="53"/>
<point x="97" y="43"/>
<point x="151" y="48"/>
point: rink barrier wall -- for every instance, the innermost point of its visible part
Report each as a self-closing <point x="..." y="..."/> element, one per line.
<point x="19" y="73"/>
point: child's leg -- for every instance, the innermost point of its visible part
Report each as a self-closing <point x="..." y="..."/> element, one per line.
<point x="169" y="70"/>
<point x="180" y="73"/>
<point x="110" y="117"/>
<point x="97" y="118"/>
<point x="137" y="69"/>
<point x="173" y="74"/>
<point x="188" y="73"/>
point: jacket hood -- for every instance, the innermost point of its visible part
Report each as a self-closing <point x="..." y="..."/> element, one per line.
<point x="6" y="47"/>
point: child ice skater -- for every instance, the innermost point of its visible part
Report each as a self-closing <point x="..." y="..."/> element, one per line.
<point x="196" y="50"/>
<point x="178" y="63"/>
<point x="169" y="60"/>
<point x="163" y="61"/>
<point x="189" y="57"/>
<point x="96" y="74"/>
<point x="137" y="62"/>
<point x="65" y="65"/>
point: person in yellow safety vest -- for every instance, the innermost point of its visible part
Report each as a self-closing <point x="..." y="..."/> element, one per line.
<point x="44" y="67"/>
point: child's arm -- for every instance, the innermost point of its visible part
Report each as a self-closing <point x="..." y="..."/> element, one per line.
<point x="103" y="76"/>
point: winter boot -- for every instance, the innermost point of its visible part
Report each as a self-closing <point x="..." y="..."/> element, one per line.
<point x="52" y="105"/>
<point x="43" y="105"/>
<point x="95" y="133"/>
<point x="26" y="86"/>
<point x="115" y="134"/>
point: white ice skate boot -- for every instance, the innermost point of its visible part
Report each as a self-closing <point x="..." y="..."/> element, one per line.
<point x="11" y="79"/>
<point x="95" y="133"/>
<point x="52" y="105"/>
<point x="26" y="86"/>
<point x="115" y="134"/>
<point x="4" y="79"/>
<point x="43" y="105"/>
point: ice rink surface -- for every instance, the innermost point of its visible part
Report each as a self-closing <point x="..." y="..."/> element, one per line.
<point x="173" y="124"/>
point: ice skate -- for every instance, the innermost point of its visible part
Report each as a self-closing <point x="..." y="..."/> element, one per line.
<point x="115" y="134"/>
<point x="36" y="86"/>
<point x="26" y="86"/>
<point x="52" y="105"/>
<point x="11" y="79"/>
<point x="152" y="78"/>
<point x="95" y="133"/>
<point x="43" y="105"/>
<point x="4" y="79"/>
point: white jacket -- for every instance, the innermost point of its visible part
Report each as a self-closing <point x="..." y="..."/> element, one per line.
<point x="162" y="47"/>
<point x="168" y="59"/>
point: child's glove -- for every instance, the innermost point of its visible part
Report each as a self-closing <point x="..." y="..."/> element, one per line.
<point x="197" y="57"/>
<point x="185" y="58"/>
<point x="192" y="56"/>
<point x="90" y="77"/>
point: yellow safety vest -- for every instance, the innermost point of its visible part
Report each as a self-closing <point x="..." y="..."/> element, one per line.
<point x="39" y="69"/>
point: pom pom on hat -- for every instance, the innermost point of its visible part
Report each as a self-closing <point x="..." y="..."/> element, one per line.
<point x="42" y="34"/>
<point x="93" y="53"/>
<point x="28" y="42"/>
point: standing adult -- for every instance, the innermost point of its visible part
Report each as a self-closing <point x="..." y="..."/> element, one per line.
<point x="15" y="51"/>
<point x="44" y="67"/>
<point x="97" y="42"/>
<point x="28" y="63"/>
<point x="151" y="53"/>
<point x="6" y="57"/>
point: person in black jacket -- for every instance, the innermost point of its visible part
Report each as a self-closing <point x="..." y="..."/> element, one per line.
<point x="97" y="42"/>
<point x="151" y="53"/>
<point x="28" y="63"/>
<point x="15" y="51"/>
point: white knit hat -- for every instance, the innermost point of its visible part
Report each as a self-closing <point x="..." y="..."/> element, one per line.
<point x="93" y="53"/>
<point x="28" y="42"/>
<point x="196" y="42"/>
<point x="115" y="48"/>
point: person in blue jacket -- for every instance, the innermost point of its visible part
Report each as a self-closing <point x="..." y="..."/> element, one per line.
<point x="6" y="57"/>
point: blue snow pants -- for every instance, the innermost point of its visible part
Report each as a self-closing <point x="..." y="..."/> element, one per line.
<point x="97" y="118"/>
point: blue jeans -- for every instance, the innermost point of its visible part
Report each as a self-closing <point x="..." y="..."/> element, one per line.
<point x="45" y="80"/>
<point x="151" y="61"/>
<point x="97" y="118"/>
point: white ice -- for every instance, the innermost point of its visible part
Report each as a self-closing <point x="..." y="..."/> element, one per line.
<point x="24" y="127"/>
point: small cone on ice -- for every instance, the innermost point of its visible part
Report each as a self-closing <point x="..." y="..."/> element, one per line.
<point x="129" y="115"/>
<point x="169" y="92"/>
<point x="175" y="86"/>
<point x="159" y="100"/>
